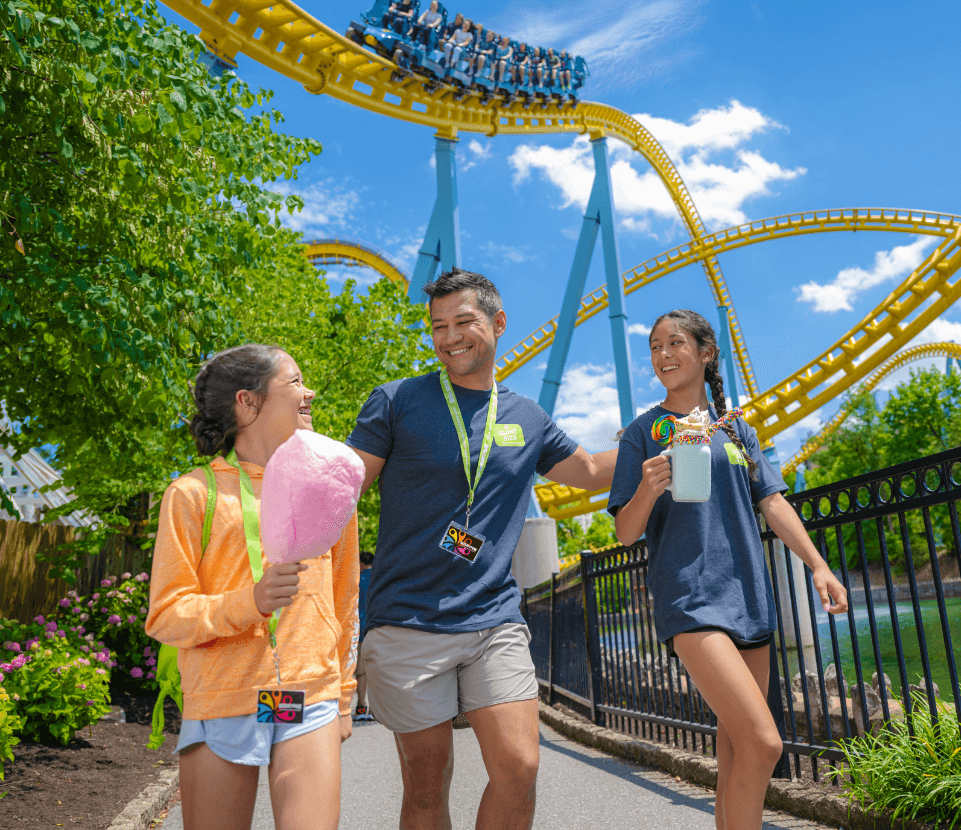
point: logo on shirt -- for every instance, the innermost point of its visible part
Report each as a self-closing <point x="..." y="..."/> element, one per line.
<point x="508" y="435"/>
<point x="734" y="454"/>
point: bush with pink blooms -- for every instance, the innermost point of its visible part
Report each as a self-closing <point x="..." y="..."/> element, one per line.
<point x="56" y="679"/>
<point x="115" y="613"/>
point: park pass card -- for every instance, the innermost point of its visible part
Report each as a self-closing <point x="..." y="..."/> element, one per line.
<point x="458" y="541"/>
<point x="280" y="707"/>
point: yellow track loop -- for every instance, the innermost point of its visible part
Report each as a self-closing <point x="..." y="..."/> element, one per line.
<point x="285" y="38"/>
<point x="778" y="227"/>
<point x="351" y="253"/>
<point x="926" y="350"/>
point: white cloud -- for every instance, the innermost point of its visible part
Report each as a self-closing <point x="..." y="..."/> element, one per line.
<point x="720" y="173"/>
<point x="639" y="329"/>
<point x="839" y="294"/>
<point x="587" y="408"/>
<point x="508" y="253"/>
<point x="477" y="153"/>
<point x="623" y="43"/>
<point x="328" y="207"/>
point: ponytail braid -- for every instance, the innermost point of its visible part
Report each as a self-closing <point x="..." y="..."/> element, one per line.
<point x="715" y="382"/>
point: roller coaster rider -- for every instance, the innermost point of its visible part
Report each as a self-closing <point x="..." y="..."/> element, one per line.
<point x="521" y="65"/>
<point x="460" y="40"/>
<point x="401" y="15"/>
<point x="428" y="22"/>
<point x="504" y="55"/>
<point x="484" y="51"/>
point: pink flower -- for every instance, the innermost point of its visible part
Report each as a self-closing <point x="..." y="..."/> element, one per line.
<point x="85" y="648"/>
<point x="51" y="626"/>
<point x="49" y="635"/>
<point x="111" y="594"/>
<point x="64" y="603"/>
<point x="72" y="594"/>
<point x="131" y="619"/>
<point x="142" y="577"/>
<point x="136" y="671"/>
<point x="19" y="662"/>
<point x="82" y="686"/>
<point x="147" y="651"/>
<point x="60" y="633"/>
<point x="84" y="617"/>
<point x="77" y="609"/>
<point x="105" y="583"/>
<point x="16" y="646"/>
<point x="151" y="676"/>
<point x="114" y="619"/>
<point x="151" y="661"/>
<point x="96" y="595"/>
<point x="143" y="609"/>
<point x="81" y="629"/>
<point x="130" y="589"/>
<point x="101" y="671"/>
<point x="38" y="619"/>
<point x="125" y="575"/>
<point x="91" y="703"/>
<point x="90" y="604"/>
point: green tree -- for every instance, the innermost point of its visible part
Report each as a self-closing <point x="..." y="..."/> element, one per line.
<point x="133" y="211"/>
<point x="345" y="344"/>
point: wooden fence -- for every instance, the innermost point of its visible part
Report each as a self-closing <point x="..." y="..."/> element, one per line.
<point x="25" y="585"/>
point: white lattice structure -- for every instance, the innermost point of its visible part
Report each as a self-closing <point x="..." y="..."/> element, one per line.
<point x="22" y="480"/>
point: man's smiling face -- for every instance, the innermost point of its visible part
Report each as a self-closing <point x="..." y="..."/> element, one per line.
<point x="465" y="338"/>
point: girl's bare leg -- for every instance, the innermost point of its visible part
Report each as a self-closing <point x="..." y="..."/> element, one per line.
<point x="725" y="760"/>
<point x="731" y="682"/>
<point x="304" y="775"/>
<point x="216" y="794"/>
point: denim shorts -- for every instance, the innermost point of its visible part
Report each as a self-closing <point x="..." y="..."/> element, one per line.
<point x="242" y="740"/>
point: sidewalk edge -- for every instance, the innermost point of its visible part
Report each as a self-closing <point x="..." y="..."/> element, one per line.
<point x="789" y="796"/>
<point x="145" y="807"/>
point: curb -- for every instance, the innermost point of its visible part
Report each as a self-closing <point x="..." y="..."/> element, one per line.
<point x="790" y="796"/>
<point x="145" y="807"/>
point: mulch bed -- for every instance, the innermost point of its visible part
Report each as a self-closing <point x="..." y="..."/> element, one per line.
<point x="87" y="783"/>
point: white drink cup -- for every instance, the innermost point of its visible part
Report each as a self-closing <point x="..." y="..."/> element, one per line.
<point x="690" y="471"/>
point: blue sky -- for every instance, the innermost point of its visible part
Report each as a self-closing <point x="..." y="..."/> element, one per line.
<point x="766" y="108"/>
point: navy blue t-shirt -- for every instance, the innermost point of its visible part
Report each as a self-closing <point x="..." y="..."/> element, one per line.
<point x="414" y="583"/>
<point x="706" y="562"/>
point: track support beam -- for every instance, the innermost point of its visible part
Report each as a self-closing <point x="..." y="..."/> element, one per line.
<point x="724" y="343"/>
<point x="442" y="240"/>
<point x="598" y="217"/>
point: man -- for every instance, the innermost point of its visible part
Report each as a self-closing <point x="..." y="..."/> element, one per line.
<point x="444" y="629"/>
<point x="362" y="712"/>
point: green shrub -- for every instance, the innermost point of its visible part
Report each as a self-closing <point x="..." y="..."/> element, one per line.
<point x="116" y="615"/>
<point x="58" y="679"/>
<point x="919" y="776"/>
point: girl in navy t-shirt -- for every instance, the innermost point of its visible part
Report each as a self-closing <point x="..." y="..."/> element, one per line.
<point x="713" y="602"/>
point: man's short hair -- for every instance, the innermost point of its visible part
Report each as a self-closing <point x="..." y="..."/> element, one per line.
<point x="450" y="282"/>
<point x="366" y="557"/>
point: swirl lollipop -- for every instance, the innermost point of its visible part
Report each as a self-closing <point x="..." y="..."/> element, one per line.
<point x="662" y="430"/>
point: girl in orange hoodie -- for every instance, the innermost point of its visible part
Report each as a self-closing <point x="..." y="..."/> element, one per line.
<point x="205" y="602"/>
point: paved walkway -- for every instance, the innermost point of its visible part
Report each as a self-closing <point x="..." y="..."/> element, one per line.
<point x="577" y="789"/>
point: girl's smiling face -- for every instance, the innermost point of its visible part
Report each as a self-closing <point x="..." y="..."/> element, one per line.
<point x="675" y="357"/>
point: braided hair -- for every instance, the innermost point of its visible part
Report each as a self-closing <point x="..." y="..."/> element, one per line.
<point x="249" y="367"/>
<point x="700" y="329"/>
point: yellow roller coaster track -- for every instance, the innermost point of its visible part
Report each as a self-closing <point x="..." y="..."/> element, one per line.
<point x="350" y="252"/>
<point x="287" y="39"/>
<point x="901" y="359"/>
<point x="925" y="294"/>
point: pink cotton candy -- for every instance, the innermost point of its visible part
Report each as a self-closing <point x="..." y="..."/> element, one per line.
<point x="311" y="487"/>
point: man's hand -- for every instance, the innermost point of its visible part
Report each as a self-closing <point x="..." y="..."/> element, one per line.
<point x="277" y="587"/>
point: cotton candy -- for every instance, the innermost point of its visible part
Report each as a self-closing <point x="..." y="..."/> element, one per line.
<point x="311" y="487"/>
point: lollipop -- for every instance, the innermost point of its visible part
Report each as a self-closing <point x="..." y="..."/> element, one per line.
<point x="310" y="491"/>
<point x="662" y="430"/>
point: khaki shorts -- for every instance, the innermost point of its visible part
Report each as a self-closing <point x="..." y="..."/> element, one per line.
<point x="418" y="679"/>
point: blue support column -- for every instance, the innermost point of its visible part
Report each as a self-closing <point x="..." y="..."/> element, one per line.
<point x="727" y="355"/>
<point x="598" y="217"/>
<point x="442" y="239"/>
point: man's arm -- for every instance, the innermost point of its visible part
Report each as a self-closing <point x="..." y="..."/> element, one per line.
<point x="589" y="472"/>
<point x="373" y="465"/>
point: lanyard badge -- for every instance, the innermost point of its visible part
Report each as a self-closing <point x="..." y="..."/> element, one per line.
<point x="284" y="706"/>
<point x="457" y="539"/>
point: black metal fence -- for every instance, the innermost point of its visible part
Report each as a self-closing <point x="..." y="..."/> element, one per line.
<point x="595" y="648"/>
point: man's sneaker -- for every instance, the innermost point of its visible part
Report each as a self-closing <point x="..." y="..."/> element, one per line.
<point x="461" y="722"/>
<point x="362" y="713"/>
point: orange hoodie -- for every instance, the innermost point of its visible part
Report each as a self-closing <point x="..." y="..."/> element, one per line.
<point x="205" y="607"/>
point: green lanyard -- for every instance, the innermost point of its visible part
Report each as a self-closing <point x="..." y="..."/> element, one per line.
<point x="252" y="534"/>
<point x="462" y="436"/>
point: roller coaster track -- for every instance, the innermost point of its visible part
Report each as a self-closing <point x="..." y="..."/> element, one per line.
<point x="352" y="253"/>
<point x="925" y="294"/>
<point x="283" y="37"/>
<point x="901" y="359"/>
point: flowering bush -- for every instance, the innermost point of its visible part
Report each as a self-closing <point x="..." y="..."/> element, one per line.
<point x="57" y="678"/>
<point x="116" y="614"/>
<point x="10" y="726"/>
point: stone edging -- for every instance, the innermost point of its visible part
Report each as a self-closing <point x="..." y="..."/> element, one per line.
<point x="791" y="796"/>
<point x="145" y="807"/>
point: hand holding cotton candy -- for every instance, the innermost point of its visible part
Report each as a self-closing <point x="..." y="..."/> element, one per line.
<point x="310" y="491"/>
